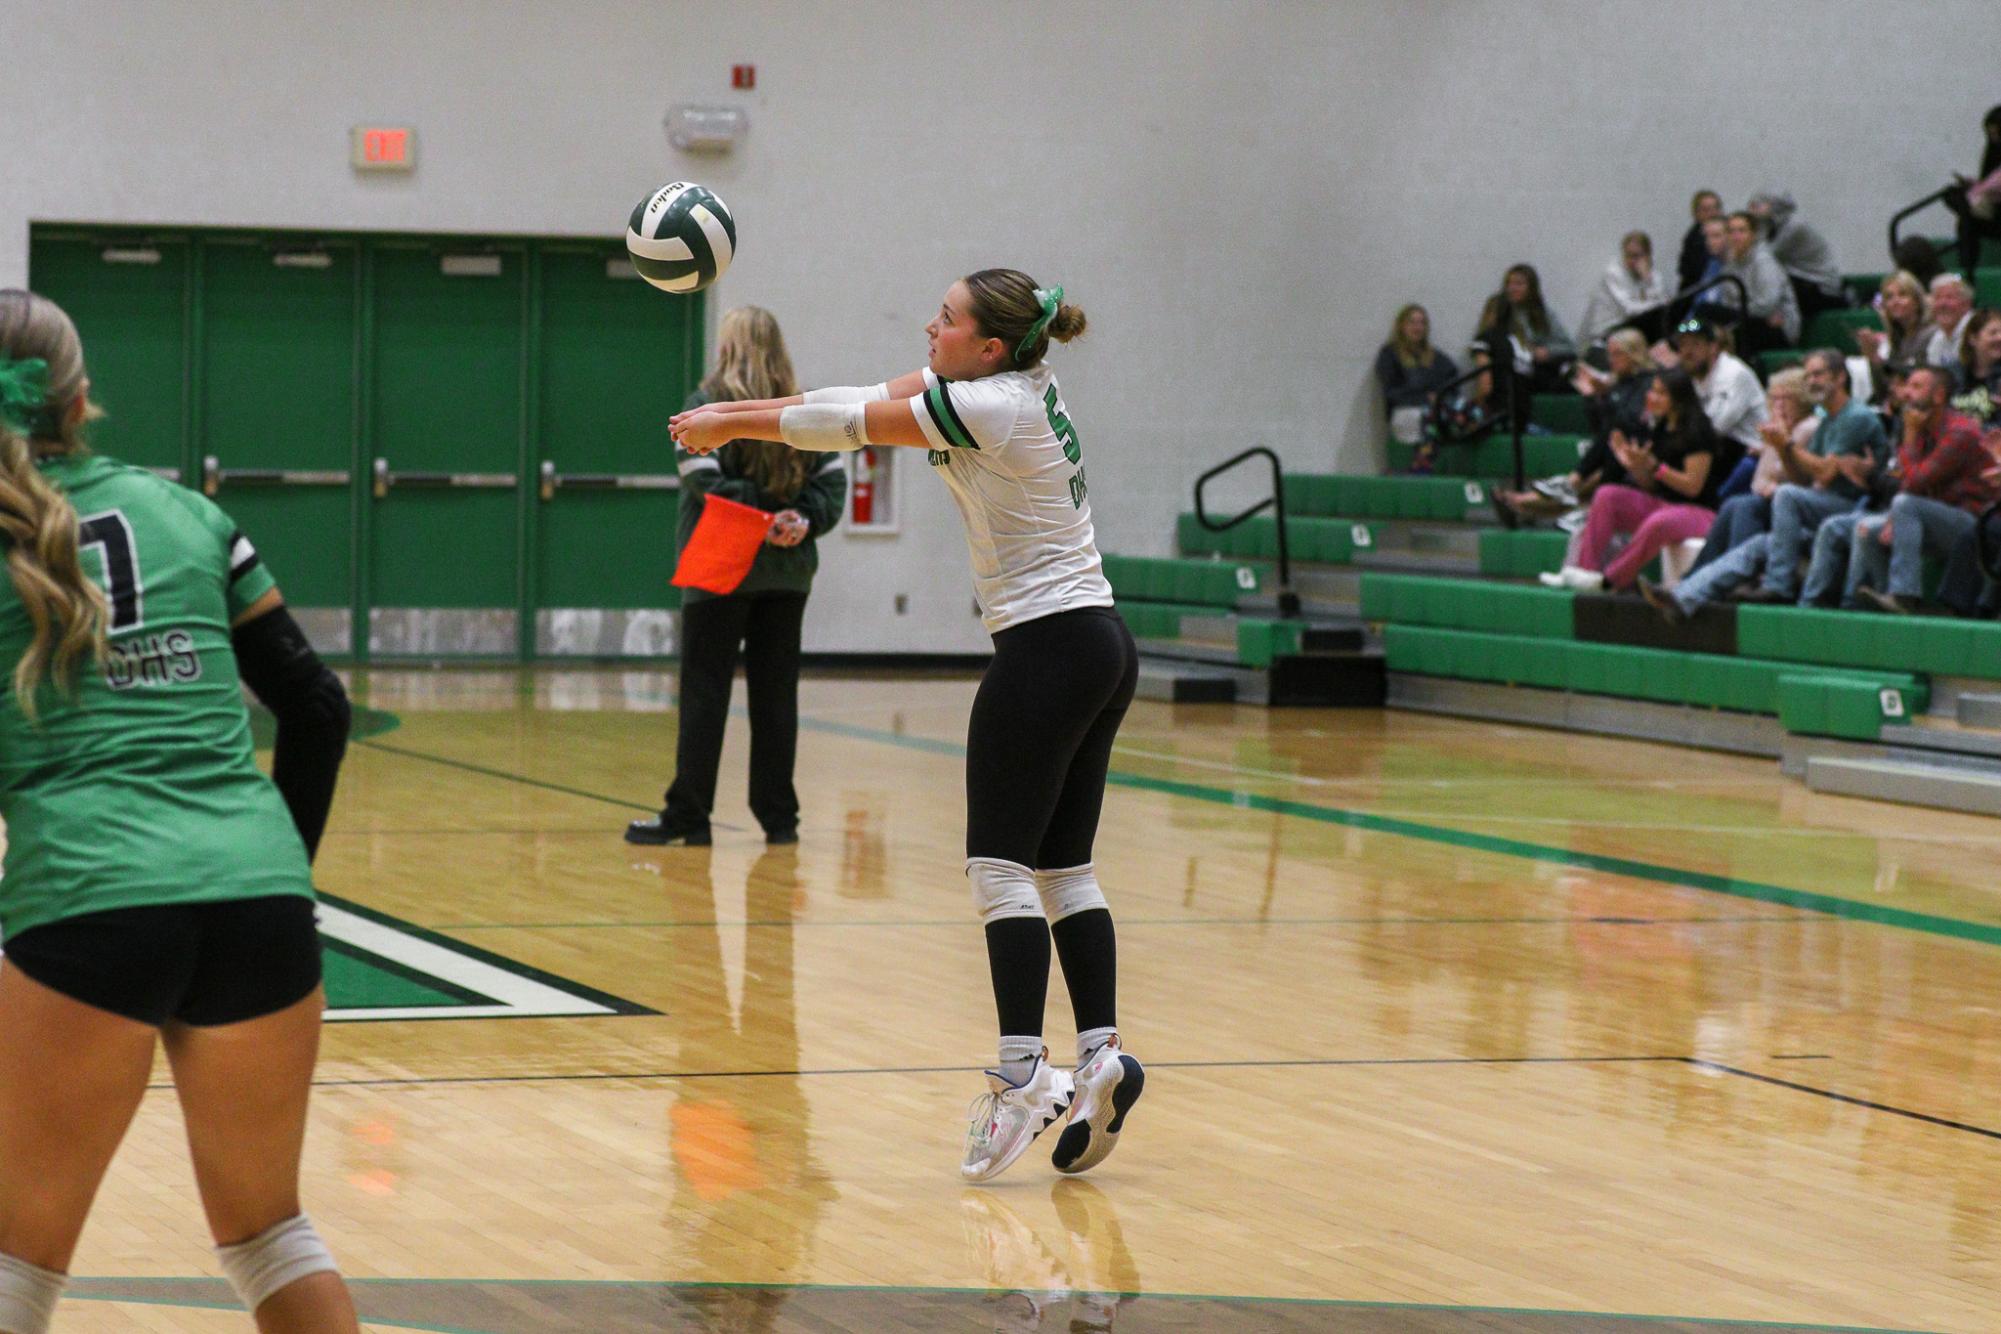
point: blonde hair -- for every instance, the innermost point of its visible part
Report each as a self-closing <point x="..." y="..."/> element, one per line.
<point x="1409" y="354"/>
<point x="1903" y="280"/>
<point x="38" y="525"/>
<point x="1005" y="307"/>
<point x="1634" y="344"/>
<point x="1790" y="385"/>
<point x="751" y="362"/>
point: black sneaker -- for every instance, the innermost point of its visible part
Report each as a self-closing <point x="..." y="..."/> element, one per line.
<point x="659" y="831"/>
<point x="781" y="837"/>
<point x="1661" y="601"/>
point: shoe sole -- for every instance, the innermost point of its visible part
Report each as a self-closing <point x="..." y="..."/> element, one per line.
<point x="1001" y="1165"/>
<point x="684" y="840"/>
<point x="1083" y="1145"/>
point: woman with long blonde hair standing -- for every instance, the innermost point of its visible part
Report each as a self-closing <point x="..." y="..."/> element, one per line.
<point x="763" y="616"/>
<point x="156" y="890"/>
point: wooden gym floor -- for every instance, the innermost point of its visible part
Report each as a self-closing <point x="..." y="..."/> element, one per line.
<point x="1451" y="1027"/>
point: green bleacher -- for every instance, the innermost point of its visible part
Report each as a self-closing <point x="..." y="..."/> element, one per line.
<point x="1324" y="541"/>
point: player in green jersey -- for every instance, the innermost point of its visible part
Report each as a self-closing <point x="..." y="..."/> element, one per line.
<point x="156" y="889"/>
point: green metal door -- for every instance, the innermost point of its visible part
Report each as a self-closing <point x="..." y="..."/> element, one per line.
<point x="446" y="387"/>
<point x="615" y="358"/>
<point x="130" y="297"/>
<point x="279" y="401"/>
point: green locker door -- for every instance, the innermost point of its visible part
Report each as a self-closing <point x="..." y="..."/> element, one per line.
<point x="616" y="359"/>
<point x="129" y="296"/>
<point x="447" y="432"/>
<point x="278" y="384"/>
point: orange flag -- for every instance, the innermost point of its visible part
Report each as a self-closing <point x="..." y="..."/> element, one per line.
<point x="723" y="546"/>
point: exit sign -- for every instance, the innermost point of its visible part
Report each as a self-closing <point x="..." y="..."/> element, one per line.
<point x="384" y="148"/>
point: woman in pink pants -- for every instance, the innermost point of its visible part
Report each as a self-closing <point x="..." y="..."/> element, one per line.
<point x="1674" y="467"/>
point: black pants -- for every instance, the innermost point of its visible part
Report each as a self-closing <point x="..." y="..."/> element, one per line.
<point x="1040" y="739"/>
<point x="766" y="627"/>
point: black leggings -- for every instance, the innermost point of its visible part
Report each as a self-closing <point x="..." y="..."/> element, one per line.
<point x="766" y="626"/>
<point x="1040" y="740"/>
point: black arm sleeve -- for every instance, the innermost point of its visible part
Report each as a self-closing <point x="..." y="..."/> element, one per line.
<point x="311" y="707"/>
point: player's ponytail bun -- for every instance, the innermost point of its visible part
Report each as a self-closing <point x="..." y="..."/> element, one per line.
<point x="1009" y="306"/>
<point x="1068" y="324"/>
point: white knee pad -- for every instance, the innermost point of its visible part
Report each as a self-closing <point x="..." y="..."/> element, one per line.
<point x="1070" y="891"/>
<point x="1002" y="889"/>
<point x="277" y="1257"/>
<point x="28" y="1295"/>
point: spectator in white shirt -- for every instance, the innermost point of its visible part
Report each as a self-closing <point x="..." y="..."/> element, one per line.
<point x="1952" y="306"/>
<point x="1731" y="395"/>
<point x="1627" y="291"/>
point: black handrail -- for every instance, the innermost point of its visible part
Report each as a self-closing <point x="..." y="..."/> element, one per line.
<point x="1513" y="417"/>
<point x="1701" y="285"/>
<point x="1897" y="218"/>
<point x="1288" y="601"/>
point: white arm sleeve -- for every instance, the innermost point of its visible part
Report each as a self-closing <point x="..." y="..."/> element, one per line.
<point x="875" y="393"/>
<point x="824" y="427"/>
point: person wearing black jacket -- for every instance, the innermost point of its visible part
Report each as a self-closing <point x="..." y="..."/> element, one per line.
<point x="1694" y="259"/>
<point x="1973" y="226"/>
<point x="763" y="616"/>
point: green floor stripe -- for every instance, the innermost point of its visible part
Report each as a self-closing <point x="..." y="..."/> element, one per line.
<point x="1805" y="900"/>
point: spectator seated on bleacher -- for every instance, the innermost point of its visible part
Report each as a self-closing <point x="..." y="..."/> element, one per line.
<point x="1977" y="202"/>
<point x="1704" y="207"/>
<point x="1674" y="468"/>
<point x="1730" y="392"/>
<point x="1977" y="390"/>
<point x="1629" y="291"/>
<point x="1411" y="373"/>
<point x="1802" y="252"/>
<point x="1952" y="308"/>
<point x="1612" y="401"/>
<point x="1971" y="585"/>
<point x="1905" y="310"/>
<point x="1744" y="509"/>
<point x="1822" y="480"/>
<point x="1768" y="312"/>
<point x="1945" y="483"/>
<point x="1524" y="339"/>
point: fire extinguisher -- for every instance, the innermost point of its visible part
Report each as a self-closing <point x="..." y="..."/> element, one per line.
<point x="863" y="508"/>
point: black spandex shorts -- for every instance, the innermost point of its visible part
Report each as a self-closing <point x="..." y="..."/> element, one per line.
<point x="198" y="963"/>
<point x="1040" y="739"/>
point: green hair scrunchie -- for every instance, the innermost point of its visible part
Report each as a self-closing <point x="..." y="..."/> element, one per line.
<point x="24" y="395"/>
<point x="1051" y="299"/>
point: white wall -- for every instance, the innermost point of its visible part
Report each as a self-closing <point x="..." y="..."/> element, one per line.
<point x="1238" y="193"/>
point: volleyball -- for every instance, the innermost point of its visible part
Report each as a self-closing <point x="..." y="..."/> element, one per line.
<point x="681" y="237"/>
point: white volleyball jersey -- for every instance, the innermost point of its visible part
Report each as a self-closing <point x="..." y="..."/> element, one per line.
<point x="1010" y="456"/>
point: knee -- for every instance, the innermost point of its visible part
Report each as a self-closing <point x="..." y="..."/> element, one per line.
<point x="1002" y="889"/>
<point x="1068" y="892"/>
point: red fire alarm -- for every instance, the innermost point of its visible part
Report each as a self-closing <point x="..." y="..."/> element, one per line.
<point x="743" y="76"/>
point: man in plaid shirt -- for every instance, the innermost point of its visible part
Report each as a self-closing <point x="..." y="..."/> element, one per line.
<point x="1946" y="481"/>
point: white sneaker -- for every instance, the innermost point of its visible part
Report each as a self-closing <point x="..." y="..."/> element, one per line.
<point x="1553" y="578"/>
<point x="1584" y="581"/>
<point x="1007" y="1118"/>
<point x="1107" y="1086"/>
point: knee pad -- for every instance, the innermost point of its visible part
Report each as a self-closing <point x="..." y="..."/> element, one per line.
<point x="1002" y="889"/>
<point x="275" y="1258"/>
<point x="28" y="1295"/>
<point x="1068" y="892"/>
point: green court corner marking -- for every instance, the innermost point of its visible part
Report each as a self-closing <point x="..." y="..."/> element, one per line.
<point x="1806" y="900"/>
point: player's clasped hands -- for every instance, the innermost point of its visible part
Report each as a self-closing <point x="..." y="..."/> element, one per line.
<point x="700" y="430"/>
<point x="788" y="529"/>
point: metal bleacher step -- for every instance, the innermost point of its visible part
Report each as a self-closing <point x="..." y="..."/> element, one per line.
<point x="1980" y="711"/>
<point x="1944" y="743"/>
<point x="1953" y="787"/>
<point x="1420" y="562"/>
<point x="1175" y="682"/>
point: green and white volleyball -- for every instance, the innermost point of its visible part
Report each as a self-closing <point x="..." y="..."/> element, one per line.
<point x="681" y="237"/>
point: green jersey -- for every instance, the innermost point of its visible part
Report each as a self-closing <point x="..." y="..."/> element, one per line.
<point x="143" y="790"/>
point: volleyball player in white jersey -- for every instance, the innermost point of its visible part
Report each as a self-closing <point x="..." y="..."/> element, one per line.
<point x="1040" y="739"/>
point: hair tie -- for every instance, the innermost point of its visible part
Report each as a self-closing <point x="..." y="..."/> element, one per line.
<point x="1050" y="299"/>
<point x="24" y="395"/>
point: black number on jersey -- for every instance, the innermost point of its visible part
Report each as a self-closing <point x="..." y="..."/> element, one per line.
<point x="112" y="533"/>
<point x="1059" y="422"/>
<point x="1079" y="489"/>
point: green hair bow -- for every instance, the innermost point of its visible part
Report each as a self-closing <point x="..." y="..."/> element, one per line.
<point x="1051" y="299"/>
<point x="24" y="396"/>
